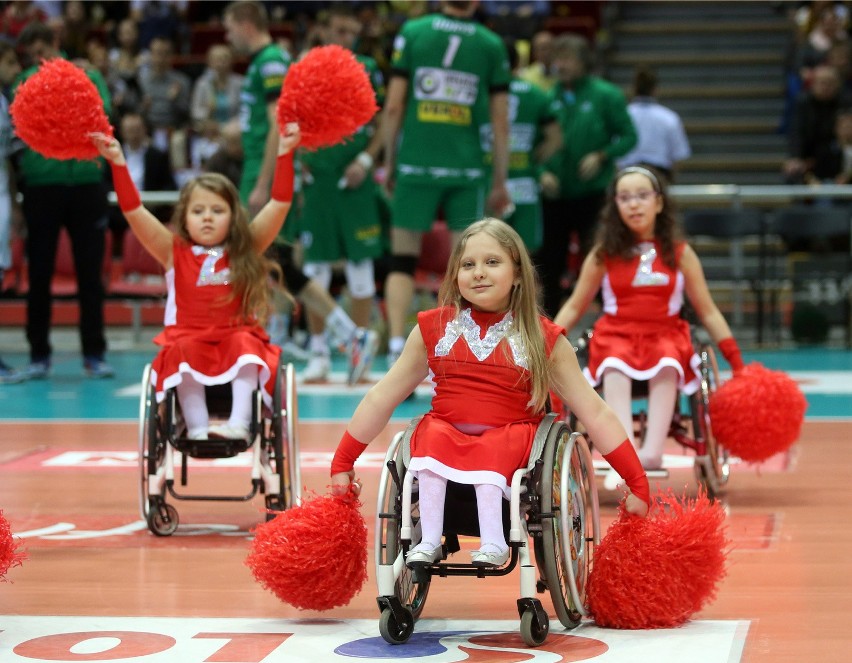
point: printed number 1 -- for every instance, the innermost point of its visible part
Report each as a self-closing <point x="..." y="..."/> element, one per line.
<point x="452" y="49"/>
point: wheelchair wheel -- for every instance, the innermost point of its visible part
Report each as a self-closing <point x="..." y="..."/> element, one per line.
<point x="533" y="632"/>
<point x="392" y="631"/>
<point x="712" y="468"/>
<point x="409" y="588"/>
<point x="284" y="443"/>
<point x="568" y="491"/>
<point x="151" y="448"/>
<point x="162" y="519"/>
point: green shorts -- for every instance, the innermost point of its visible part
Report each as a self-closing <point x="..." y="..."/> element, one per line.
<point x="527" y="221"/>
<point x="415" y="205"/>
<point x="340" y="223"/>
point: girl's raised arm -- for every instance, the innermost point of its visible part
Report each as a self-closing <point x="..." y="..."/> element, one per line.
<point x="154" y="236"/>
<point x="270" y="218"/>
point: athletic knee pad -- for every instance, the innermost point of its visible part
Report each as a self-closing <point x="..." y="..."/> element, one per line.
<point x="404" y="264"/>
<point x="361" y="278"/>
<point x="320" y="272"/>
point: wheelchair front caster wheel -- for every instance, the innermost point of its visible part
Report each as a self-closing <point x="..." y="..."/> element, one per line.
<point x="163" y="520"/>
<point x="533" y="631"/>
<point x="392" y="631"/>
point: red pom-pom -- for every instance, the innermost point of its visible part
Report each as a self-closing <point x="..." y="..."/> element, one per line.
<point x="328" y="92"/>
<point x="56" y="108"/>
<point x="10" y="556"/>
<point x="656" y="572"/>
<point x="313" y="556"/>
<point x="757" y="413"/>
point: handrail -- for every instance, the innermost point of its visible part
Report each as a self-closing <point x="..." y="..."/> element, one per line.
<point x="736" y="194"/>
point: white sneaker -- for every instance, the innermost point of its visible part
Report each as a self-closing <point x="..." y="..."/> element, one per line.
<point x="362" y="349"/>
<point x="318" y="369"/>
<point x="228" y="432"/>
<point x="612" y="480"/>
<point x="490" y="558"/>
<point x="424" y="556"/>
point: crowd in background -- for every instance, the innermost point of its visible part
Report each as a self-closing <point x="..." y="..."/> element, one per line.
<point x="175" y="96"/>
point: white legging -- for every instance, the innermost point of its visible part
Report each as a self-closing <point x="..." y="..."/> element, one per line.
<point x="489" y="506"/>
<point x="193" y="403"/>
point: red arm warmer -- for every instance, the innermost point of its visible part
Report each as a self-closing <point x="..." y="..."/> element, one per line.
<point x="125" y="189"/>
<point x="731" y="352"/>
<point x="625" y="461"/>
<point x="282" y="180"/>
<point x="347" y="453"/>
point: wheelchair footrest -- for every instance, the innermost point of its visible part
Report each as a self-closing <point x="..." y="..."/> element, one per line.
<point x="212" y="448"/>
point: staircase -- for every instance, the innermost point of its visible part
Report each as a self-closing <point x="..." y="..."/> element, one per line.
<point x="720" y="65"/>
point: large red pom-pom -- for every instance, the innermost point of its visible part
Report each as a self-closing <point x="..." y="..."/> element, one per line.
<point x="328" y="92"/>
<point x="56" y="108"/>
<point x="757" y="413"/>
<point x="656" y="572"/>
<point x="10" y="556"/>
<point x="313" y="556"/>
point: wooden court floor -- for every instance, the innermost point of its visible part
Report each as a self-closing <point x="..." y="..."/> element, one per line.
<point x="72" y="490"/>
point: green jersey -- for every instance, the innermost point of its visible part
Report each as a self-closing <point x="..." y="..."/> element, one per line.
<point x="334" y="159"/>
<point x="262" y="86"/>
<point x="452" y="65"/>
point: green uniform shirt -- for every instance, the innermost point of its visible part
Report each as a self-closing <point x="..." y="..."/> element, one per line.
<point x="593" y="117"/>
<point x="451" y="65"/>
<point x="262" y="86"/>
<point x="36" y="170"/>
<point x="334" y="159"/>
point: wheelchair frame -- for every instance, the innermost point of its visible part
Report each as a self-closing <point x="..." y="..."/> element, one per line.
<point x="560" y="472"/>
<point x="275" y="468"/>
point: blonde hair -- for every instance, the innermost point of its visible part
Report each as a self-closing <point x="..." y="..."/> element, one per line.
<point x="523" y="300"/>
<point x="250" y="271"/>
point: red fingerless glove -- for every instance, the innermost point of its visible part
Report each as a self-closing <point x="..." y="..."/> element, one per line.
<point x="625" y="461"/>
<point x="282" y="180"/>
<point x="125" y="189"/>
<point x="347" y="453"/>
<point x="731" y="352"/>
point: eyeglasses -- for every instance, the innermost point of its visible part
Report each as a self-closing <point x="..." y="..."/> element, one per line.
<point x="641" y="196"/>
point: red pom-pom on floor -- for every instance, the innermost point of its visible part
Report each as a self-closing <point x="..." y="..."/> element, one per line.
<point x="328" y="92"/>
<point x="757" y="413"/>
<point x="658" y="571"/>
<point x="10" y="556"/>
<point x="313" y="556"/>
<point x="56" y="108"/>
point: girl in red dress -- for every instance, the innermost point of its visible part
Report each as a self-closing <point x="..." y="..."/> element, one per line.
<point x="644" y="269"/>
<point x="493" y="358"/>
<point x="217" y="287"/>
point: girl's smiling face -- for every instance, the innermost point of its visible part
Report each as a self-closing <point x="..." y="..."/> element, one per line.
<point x="638" y="204"/>
<point x="487" y="274"/>
<point x="208" y="217"/>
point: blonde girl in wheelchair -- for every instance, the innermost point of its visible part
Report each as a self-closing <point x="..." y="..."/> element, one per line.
<point x="493" y="358"/>
<point x="218" y="287"/>
<point x="644" y="268"/>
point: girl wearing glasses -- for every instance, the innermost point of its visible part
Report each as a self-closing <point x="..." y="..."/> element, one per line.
<point x="644" y="267"/>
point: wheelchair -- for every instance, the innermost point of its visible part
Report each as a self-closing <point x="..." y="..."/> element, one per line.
<point x="273" y="443"/>
<point x="554" y="503"/>
<point x="690" y="427"/>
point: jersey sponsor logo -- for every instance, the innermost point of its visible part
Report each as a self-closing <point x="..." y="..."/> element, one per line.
<point x="444" y="113"/>
<point x="434" y="84"/>
<point x="446" y="25"/>
<point x="522" y="190"/>
<point x="273" y="69"/>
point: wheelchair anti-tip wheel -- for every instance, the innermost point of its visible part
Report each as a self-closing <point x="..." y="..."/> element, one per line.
<point x="712" y="469"/>
<point x="568" y="491"/>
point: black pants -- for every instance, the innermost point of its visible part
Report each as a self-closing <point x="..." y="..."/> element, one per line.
<point x="561" y="217"/>
<point x="82" y="210"/>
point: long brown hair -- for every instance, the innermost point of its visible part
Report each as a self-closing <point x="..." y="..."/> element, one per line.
<point x="615" y="239"/>
<point x="250" y="271"/>
<point x="523" y="300"/>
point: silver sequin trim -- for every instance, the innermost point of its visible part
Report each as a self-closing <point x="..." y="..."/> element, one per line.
<point x="465" y="327"/>
<point x="645" y="274"/>
<point x="208" y="274"/>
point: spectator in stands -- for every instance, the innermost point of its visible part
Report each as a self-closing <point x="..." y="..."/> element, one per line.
<point x="149" y="168"/>
<point x="596" y="130"/>
<point x="125" y="61"/>
<point x="161" y="20"/>
<point x="17" y="15"/>
<point x="165" y="101"/>
<point x="215" y="101"/>
<point x="828" y="29"/>
<point x="433" y="152"/>
<point x="9" y="69"/>
<point x="538" y="71"/>
<point x="534" y="137"/>
<point x="812" y="129"/>
<point x="662" y="140"/>
<point x="67" y="194"/>
<point x="247" y="29"/>
<point x="832" y="162"/>
<point x="340" y="214"/>
<point x="228" y="159"/>
<point x="74" y="29"/>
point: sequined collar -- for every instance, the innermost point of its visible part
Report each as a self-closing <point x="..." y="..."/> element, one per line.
<point x="464" y="326"/>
